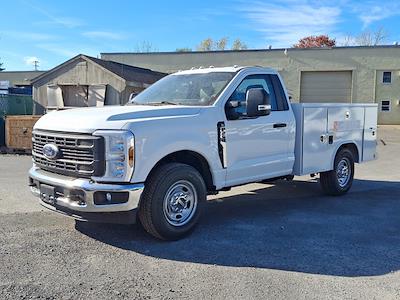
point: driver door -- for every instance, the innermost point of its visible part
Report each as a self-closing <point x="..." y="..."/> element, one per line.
<point x="256" y="148"/>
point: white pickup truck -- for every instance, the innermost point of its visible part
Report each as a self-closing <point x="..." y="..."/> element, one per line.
<point x="191" y="134"/>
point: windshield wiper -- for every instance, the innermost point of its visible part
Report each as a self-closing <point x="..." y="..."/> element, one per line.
<point x="163" y="102"/>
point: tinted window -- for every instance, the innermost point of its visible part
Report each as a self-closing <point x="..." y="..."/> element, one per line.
<point x="387" y="77"/>
<point x="280" y="94"/>
<point x="239" y="95"/>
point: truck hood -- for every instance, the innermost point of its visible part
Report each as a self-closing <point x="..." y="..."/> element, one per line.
<point x="87" y="120"/>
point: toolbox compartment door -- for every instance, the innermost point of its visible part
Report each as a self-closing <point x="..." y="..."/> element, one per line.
<point x="315" y="144"/>
<point x="345" y="125"/>
<point x="370" y="131"/>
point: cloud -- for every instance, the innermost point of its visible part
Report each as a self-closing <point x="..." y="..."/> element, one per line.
<point x="59" y="50"/>
<point x="370" y="12"/>
<point x="30" y="60"/>
<point x="67" y="51"/>
<point x="32" y="36"/>
<point x="107" y="35"/>
<point x="9" y="53"/>
<point x="285" y="23"/>
<point x="67" y="22"/>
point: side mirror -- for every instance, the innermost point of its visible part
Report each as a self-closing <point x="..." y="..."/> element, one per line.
<point x="131" y="96"/>
<point x="257" y="102"/>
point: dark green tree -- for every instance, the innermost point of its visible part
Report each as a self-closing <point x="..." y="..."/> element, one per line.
<point x="184" y="49"/>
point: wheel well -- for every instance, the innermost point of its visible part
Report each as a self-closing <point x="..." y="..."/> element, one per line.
<point x="190" y="158"/>
<point x="353" y="148"/>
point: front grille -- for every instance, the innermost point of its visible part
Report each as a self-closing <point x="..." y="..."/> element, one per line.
<point x="79" y="155"/>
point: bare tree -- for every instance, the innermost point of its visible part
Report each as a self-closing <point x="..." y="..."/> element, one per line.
<point x="145" y="47"/>
<point x="222" y="43"/>
<point x="347" y="41"/>
<point x="366" y="38"/>
<point x="371" y="38"/>
<point x="209" y="44"/>
<point x="1" y="67"/>
<point x="238" y="45"/>
<point x="206" y="45"/>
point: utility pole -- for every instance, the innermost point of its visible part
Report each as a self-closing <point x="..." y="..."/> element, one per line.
<point x="36" y="64"/>
<point x="1" y="67"/>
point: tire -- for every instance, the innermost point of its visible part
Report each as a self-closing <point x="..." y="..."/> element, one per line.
<point x="172" y="201"/>
<point x="338" y="181"/>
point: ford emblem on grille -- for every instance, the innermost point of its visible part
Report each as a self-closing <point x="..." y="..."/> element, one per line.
<point x="50" y="151"/>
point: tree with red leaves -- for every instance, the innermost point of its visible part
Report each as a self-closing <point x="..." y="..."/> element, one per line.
<point x="312" y="41"/>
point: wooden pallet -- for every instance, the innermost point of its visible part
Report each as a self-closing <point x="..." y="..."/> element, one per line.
<point x="19" y="132"/>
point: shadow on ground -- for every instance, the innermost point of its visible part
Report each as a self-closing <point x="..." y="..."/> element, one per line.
<point x="289" y="226"/>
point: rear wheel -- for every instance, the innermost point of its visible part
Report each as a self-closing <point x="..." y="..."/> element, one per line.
<point x="172" y="201"/>
<point x="339" y="180"/>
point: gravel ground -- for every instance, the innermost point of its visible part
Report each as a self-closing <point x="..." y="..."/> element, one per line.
<point x="283" y="241"/>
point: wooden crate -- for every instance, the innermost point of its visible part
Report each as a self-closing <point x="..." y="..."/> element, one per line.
<point x="19" y="131"/>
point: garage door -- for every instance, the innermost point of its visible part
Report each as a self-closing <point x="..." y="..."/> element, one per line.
<point x="332" y="86"/>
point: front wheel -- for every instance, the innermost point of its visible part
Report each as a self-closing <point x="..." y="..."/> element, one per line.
<point x="172" y="201"/>
<point x="339" y="180"/>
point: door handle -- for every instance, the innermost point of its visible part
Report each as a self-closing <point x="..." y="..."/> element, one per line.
<point x="278" y="125"/>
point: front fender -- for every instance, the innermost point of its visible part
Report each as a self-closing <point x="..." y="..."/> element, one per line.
<point x="156" y="140"/>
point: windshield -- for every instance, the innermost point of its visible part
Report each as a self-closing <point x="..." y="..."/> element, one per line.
<point x="185" y="89"/>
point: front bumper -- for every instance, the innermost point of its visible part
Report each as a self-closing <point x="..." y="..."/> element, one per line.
<point x="75" y="197"/>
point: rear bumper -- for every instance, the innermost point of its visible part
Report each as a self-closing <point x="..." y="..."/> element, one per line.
<point x="75" y="197"/>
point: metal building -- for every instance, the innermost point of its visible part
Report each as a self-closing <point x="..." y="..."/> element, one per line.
<point x="339" y="74"/>
<point x="18" y="78"/>
<point x="88" y="81"/>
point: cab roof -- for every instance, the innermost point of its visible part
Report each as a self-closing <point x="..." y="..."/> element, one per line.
<point x="232" y="69"/>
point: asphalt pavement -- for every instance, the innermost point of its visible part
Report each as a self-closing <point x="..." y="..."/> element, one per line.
<point x="284" y="240"/>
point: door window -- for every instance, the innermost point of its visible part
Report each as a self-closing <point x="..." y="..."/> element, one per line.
<point x="239" y="95"/>
<point x="279" y="93"/>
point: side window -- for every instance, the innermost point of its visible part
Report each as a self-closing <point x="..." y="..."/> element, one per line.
<point x="239" y="95"/>
<point x="280" y="94"/>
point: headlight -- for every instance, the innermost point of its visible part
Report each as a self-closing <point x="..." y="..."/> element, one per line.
<point x="119" y="155"/>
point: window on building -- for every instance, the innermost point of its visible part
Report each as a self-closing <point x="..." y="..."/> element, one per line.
<point x="75" y="95"/>
<point x="385" y="105"/>
<point x="387" y="77"/>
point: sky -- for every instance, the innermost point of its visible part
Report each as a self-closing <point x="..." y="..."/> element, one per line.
<point x="52" y="32"/>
